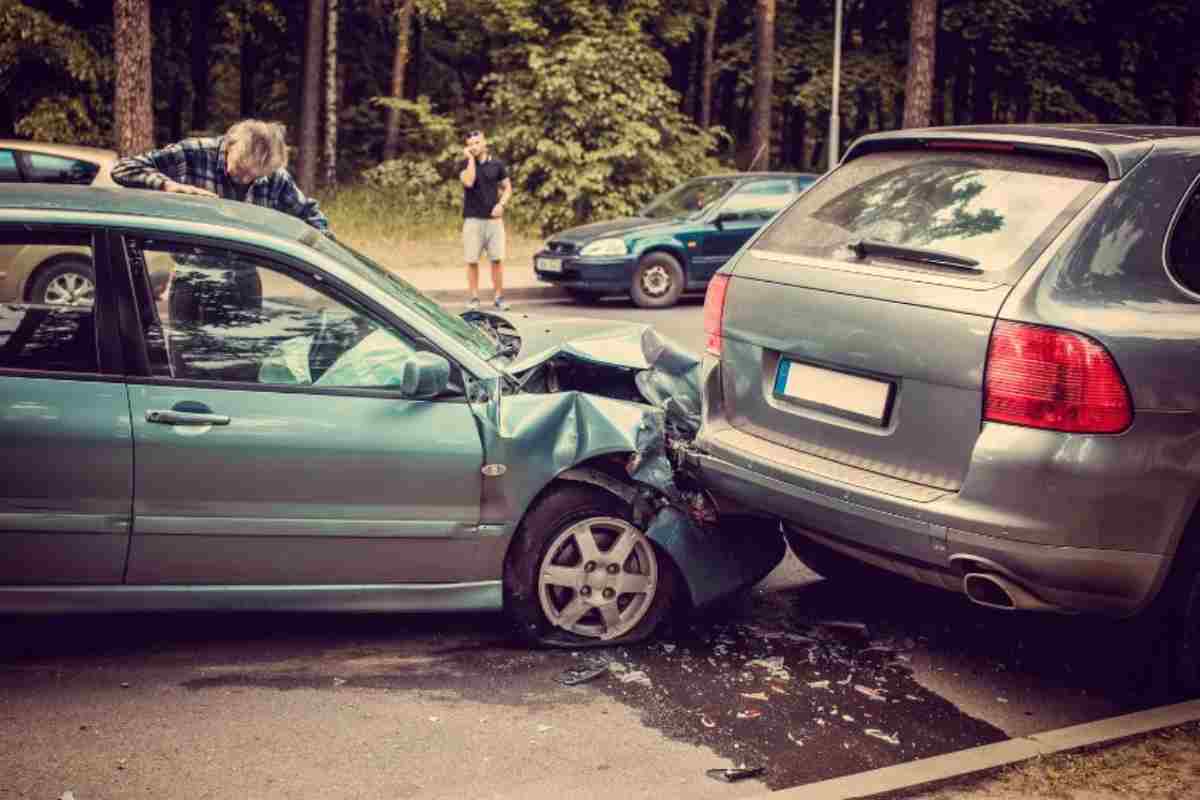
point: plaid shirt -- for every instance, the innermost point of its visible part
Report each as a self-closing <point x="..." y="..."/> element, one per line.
<point x="201" y="162"/>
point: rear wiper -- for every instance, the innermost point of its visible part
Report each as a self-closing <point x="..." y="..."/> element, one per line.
<point x="873" y="247"/>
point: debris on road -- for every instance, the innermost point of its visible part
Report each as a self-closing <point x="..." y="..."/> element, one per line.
<point x="756" y="696"/>
<point x="774" y="666"/>
<point x="544" y="728"/>
<point x="850" y="627"/>
<point x="67" y="795"/>
<point x="730" y="775"/>
<point x="584" y="673"/>
<point x="819" y="685"/>
<point x="794" y="740"/>
<point x="750" y="713"/>
<point x="890" y="738"/>
<point x="706" y="722"/>
<point x="339" y="681"/>
<point x="640" y="678"/>
<point x="877" y="695"/>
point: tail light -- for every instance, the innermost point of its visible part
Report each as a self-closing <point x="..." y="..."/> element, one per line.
<point x="1048" y="378"/>
<point x="714" y="313"/>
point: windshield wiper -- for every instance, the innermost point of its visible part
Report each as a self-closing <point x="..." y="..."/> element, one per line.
<point x="873" y="247"/>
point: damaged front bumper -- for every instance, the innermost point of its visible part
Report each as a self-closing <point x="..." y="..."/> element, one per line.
<point x="616" y="405"/>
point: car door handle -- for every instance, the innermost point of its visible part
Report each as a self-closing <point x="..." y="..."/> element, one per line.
<point x="162" y="417"/>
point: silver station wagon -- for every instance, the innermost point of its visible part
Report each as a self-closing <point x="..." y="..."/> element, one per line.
<point x="250" y="415"/>
<point x="971" y="356"/>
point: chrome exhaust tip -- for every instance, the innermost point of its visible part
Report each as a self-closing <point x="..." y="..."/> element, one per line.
<point x="996" y="591"/>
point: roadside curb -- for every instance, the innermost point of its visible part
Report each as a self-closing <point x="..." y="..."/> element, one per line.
<point x="548" y="292"/>
<point x="937" y="769"/>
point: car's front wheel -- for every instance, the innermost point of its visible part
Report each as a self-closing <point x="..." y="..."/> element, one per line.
<point x="71" y="282"/>
<point x="658" y="281"/>
<point x="580" y="572"/>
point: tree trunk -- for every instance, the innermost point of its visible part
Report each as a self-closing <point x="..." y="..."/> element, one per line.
<point x="133" y="112"/>
<point x="391" y="137"/>
<point x="329" y="178"/>
<point x="922" y="61"/>
<point x="981" y="92"/>
<point x="706" y="71"/>
<point x="175" y="103"/>
<point x="800" y="137"/>
<point x="413" y="84"/>
<point x="764" y="74"/>
<point x="248" y="68"/>
<point x="1188" y="81"/>
<point x="201" y="30"/>
<point x="310" y="102"/>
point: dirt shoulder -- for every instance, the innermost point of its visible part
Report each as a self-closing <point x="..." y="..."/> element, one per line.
<point x="1164" y="765"/>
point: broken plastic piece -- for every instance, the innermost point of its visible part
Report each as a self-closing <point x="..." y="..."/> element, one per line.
<point x="582" y="674"/>
<point x="706" y="722"/>
<point x="750" y="713"/>
<point x="639" y="677"/>
<point x="756" y="696"/>
<point x="877" y="695"/>
<point x="878" y="734"/>
<point x="735" y="774"/>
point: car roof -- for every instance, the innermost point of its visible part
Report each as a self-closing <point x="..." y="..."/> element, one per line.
<point x="96" y="154"/>
<point x="1120" y="147"/>
<point x="148" y="203"/>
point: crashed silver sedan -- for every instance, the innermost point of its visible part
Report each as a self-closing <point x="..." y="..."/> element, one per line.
<point x="250" y="415"/>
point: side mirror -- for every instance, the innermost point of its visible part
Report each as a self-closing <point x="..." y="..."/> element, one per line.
<point x="726" y="216"/>
<point x="422" y="376"/>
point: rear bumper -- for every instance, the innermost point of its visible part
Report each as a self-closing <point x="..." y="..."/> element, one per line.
<point x="589" y="274"/>
<point x="896" y="536"/>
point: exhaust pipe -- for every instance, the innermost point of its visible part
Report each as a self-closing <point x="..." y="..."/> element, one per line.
<point x="996" y="591"/>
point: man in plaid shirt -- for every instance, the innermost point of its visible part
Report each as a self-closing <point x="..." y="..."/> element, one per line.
<point x="247" y="163"/>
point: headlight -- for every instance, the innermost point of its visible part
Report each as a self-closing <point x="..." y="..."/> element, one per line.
<point x="605" y="247"/>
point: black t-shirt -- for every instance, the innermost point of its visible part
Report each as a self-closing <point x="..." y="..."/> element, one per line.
<point x="480" y="199"/>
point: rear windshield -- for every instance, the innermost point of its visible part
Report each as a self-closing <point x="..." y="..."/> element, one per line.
<point x="999" y="209"/>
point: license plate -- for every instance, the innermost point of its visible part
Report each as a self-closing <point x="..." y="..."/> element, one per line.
<point x="852" y="395"/>
<point x="549" y="264"/>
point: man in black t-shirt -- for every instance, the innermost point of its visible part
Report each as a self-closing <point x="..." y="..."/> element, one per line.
<point x="487" y="189"/>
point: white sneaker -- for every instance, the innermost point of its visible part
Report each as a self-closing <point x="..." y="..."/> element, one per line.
<point x="500" y="305"/>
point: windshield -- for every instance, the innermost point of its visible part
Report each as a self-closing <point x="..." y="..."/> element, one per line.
<point x="994" y="208"/>
<point x="404" y="292"/>
<point x="689" y="200"/>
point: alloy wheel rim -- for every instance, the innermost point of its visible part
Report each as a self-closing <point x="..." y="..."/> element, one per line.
<point x="598" y="578"/>
<point x="70" y="289"/>
<point x="656" y="281"/>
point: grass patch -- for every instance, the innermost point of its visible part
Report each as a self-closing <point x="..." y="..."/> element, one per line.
<point x="390" y="230"/>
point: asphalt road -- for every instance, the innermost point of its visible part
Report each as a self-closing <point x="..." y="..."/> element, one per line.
<point x="805" y="678"/>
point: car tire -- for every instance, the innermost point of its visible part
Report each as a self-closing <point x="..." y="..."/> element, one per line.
<point x="658" y="281"/>
<point x="70" y="281"/>
<point x="585" y="297"/>
<point x="546" y="613"/>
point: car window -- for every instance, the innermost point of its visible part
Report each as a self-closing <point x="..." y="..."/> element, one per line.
<point x="45" y="168"/>
<point x="987" y="206"/>
<point x="218" y="315"/>
<point x="8" y="168"/>
<point x="36" y="335"/>
<point x="760" y="200"/>
<point x="1183" y="254"/>
<point x="689" y="199"/>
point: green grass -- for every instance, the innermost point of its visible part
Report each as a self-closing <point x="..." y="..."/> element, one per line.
<point x="386" y="228"/>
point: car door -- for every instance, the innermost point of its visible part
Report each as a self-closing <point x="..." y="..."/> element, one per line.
<point x="739" y="217"/>
<point x="267" y="451"/>
<point x="66" y="448"/>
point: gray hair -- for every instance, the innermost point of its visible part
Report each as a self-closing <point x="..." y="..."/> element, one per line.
<point x="264" y="144"/>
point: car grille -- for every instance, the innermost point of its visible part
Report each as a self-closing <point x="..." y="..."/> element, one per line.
<point x="560" y="248"/>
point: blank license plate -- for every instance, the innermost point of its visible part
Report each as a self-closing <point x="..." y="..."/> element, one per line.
<point x="850" y="394"/>
<point x="549" y="264"/>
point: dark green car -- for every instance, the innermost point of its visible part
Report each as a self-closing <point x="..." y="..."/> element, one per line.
<point x="674" y="244"/>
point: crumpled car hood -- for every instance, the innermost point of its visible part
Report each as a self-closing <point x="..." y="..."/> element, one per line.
<point x="600" y="341"/>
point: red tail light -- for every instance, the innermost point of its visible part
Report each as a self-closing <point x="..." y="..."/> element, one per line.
<point x="1048" y="378"/>
<point x="714" y="313"/>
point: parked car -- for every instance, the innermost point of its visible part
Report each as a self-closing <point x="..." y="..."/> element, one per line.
<point x="50" y="273"/>
<point x="254" y="416"/>
<point x="969" y="356"/>
<point x="674" y="244"/>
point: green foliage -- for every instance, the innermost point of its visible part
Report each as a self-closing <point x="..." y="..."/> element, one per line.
<point x="54" y="77"/>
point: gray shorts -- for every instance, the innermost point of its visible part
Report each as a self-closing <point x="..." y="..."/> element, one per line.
<point x="483" y="236"/>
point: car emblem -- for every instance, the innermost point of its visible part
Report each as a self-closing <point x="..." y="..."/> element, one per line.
<point x="494" y="470"/>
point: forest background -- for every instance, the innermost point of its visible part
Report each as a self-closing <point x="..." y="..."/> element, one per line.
<point x="596" y="104"/>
